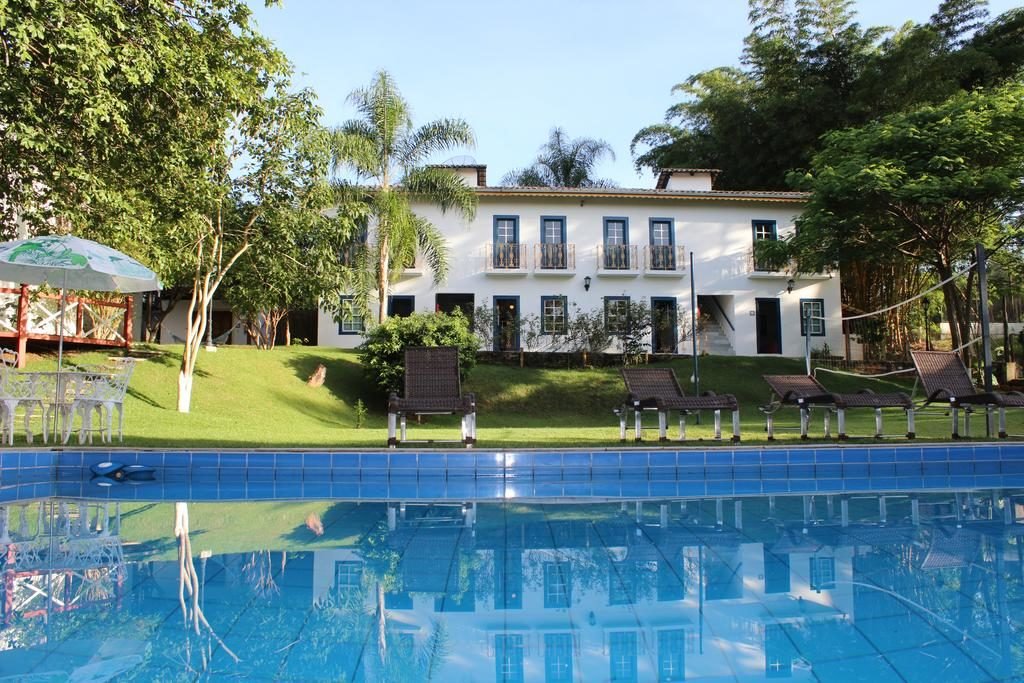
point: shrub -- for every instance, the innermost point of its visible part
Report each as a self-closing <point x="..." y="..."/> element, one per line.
<point x="383" y="353"/>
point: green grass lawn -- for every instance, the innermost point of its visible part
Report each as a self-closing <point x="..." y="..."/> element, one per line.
<point x="248" y="398"/>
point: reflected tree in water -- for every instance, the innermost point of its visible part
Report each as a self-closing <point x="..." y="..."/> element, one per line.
<point x="188" y="587"/>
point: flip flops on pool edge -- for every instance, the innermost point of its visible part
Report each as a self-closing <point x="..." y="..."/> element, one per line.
<point x="111" y="473"/>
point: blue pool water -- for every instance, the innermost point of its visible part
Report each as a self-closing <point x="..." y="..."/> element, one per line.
<point x="916" y="585"/>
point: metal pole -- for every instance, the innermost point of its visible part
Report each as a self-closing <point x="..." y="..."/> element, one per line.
<point x="60" y="354"/>
<point x="209" y="328"/>
<point x="807" y="338"/>
<point x="693" y="330"/>
<point x="986" y="346"/>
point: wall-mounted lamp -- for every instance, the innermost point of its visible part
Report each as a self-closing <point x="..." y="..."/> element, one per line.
<point x="586" y="284"/>
<point x="790" y="283"/>
<point x="592" y="619"/>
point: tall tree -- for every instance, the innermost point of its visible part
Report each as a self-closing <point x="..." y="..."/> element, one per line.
<point x="564" y="163"/>
<point x="810" y="68"/>
<point x="382" y="146"/>
<point x="925" y="185"/>
<point x="300" y="269"/>
<point x="168" y="128"/>
<point x="267" y="174"/>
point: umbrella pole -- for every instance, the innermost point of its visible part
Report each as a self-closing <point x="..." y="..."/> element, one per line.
<point x="60" y="357"/>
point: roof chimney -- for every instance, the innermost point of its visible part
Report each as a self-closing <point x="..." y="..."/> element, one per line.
<point x="474" y="175"/>
<point x="683" y="179"/>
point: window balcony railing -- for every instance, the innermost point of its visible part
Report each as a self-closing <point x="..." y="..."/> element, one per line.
<point x="505" y="258"/>
<point x="554" y="259"/>
<point x="763" y="267"/>
<point x="664" y="259"/>
<point x="617" y="259"/>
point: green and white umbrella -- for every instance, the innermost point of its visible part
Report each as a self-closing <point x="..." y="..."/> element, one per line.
<point x="70" y="262"/>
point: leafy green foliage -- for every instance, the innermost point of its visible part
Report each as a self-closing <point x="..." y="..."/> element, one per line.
<point x="383" y="352"/>
<point x="810" y="68"/>
<point x="564" y="163"/>
<point x="926" y="185"/>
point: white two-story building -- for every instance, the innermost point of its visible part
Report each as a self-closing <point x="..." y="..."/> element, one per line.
<point x="547" y="252"/>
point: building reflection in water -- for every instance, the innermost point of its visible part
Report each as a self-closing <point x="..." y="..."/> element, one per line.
<point x="826" y="587"/>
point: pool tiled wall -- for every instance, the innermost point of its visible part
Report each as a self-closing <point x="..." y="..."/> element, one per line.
<point x="462" y="475"/>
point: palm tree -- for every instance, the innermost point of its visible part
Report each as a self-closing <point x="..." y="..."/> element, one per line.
<point x="382" y="146"/>
<point x="564" y="163"/>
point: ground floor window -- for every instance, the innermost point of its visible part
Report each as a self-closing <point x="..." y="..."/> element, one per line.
<point x="351" y="318"/>
<point x="815" y="310"/>
<point x="553" y="318"/>
<point x="823" y="573"/>
<point x="616" y="313"/>
<point x="557" y="584"/>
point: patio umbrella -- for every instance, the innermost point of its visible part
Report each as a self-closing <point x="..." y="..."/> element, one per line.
<point x="66" y="261"/>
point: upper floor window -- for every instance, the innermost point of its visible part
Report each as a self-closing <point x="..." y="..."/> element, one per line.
<point x="663" y="255"/>
<point x="552" y="242"/>
<point x="350" y="252"/>
<point x="557" y="658"/>
<point x="812" y="316"/>
<point x="553" y="317"/>
<point x="671" y="655"/>
<point x="616" y="243"/>
<point x="350" y="320"/>
<point x="506" y="242"/>
<point x="508" y="656"/>
<point x="622" y="656"/>
<point x="763" y="230"/>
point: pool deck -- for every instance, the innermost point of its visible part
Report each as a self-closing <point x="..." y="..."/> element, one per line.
<point x="542" y="474"/>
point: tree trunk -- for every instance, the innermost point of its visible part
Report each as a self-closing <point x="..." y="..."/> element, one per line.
<point x="287" y="330"/>
<point x="383" y="264"/>
<point x="156" y="319"/>
<point x="184" y="391"/>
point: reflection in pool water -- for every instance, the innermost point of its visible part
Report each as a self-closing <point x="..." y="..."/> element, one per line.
<point x="908" y="588"/>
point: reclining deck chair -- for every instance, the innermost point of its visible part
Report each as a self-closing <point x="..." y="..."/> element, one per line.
<point x="432" y="387"/>
<point x="658" y="389"/>
<point x="945" y="380"/>
<point x="805" y="392"/>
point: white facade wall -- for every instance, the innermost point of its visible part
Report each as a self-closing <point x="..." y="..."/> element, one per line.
<point x="718" y="231"/>
<point x="732" y="629"/>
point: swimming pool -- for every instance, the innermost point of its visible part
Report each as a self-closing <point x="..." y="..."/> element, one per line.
<point x="901" y="586"/>
<point x="521" y="474"/>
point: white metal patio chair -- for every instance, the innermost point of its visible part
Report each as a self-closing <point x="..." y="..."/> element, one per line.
<point x="17" y="390"/>
<point x="104" y="396"/>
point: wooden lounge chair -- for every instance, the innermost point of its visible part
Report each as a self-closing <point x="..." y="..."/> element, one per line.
<point x="658" y="389"/>
<point x="945" y="380"/>
<point x="805" y="392"/>
<point x="432" y="387"/>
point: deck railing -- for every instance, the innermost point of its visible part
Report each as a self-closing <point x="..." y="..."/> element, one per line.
<point x="27" y="315"/>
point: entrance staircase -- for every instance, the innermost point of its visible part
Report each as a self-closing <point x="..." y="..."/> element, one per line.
<point x="711" y="338"/>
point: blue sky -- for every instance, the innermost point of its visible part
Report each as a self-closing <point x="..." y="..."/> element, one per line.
<point x="514" y="69"/>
